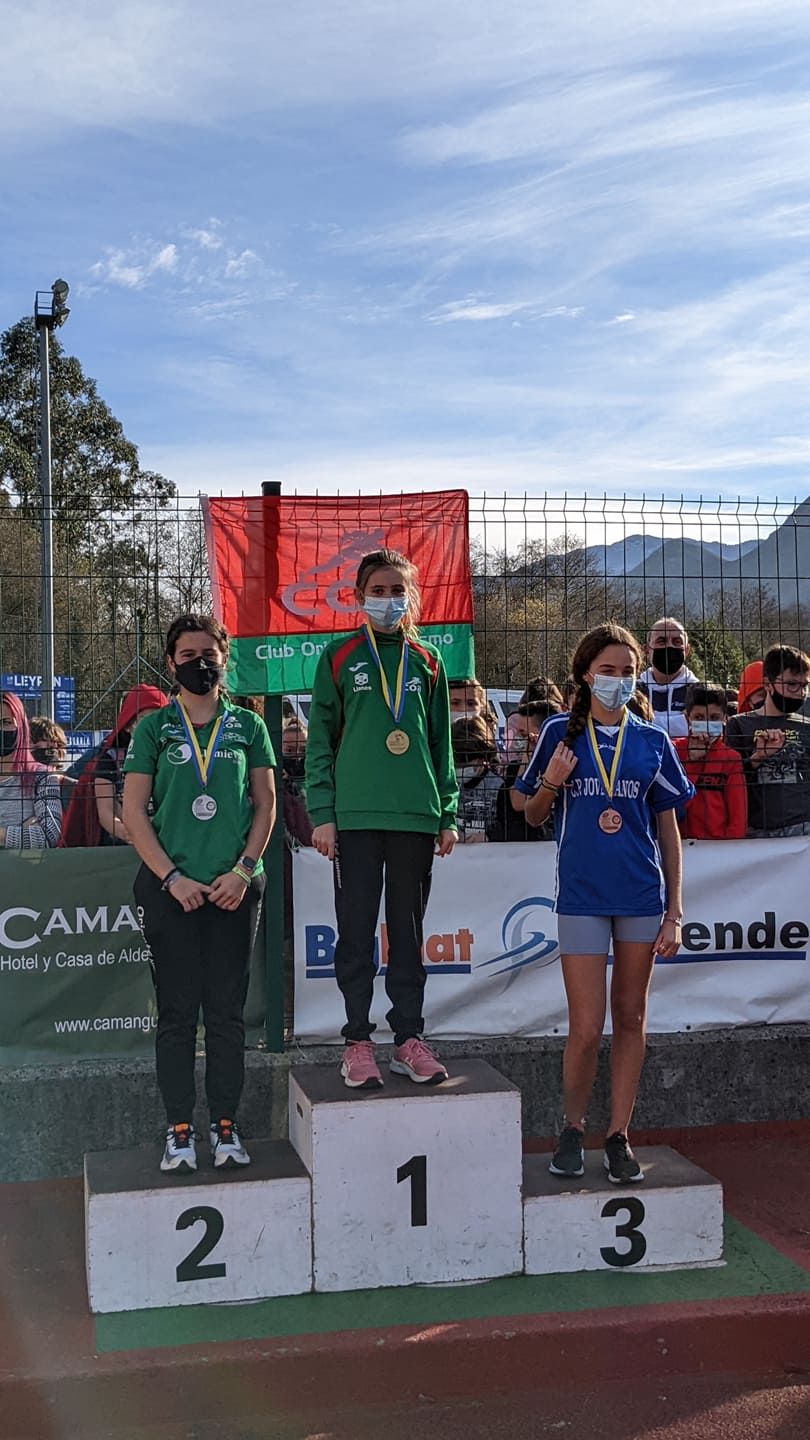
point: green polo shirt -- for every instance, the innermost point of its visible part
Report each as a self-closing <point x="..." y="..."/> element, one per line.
<point x="202" y="849"/>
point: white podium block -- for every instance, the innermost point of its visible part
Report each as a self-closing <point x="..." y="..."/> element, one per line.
<point x="217" y="1235"/>
<point x="410" y="1184"/>
<point x="674" y="1218"/>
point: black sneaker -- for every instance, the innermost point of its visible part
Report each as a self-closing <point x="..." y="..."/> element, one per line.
<point x="569" y="1158"/>
<point x="620" y="1162"/>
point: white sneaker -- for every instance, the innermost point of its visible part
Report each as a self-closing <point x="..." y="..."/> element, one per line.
<point x="226" y="1145"/>
<point x="180" y="1152"/>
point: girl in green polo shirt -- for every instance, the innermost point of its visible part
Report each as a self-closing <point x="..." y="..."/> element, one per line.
<point x="206" y="766"/>
<point x="382" y="796"/>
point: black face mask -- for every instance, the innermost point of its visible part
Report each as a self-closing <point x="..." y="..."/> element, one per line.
<point x="294" y="765"/>
<point x="8" y="741"/>
<point x="199" y="676"/>
<point x="787" y="704"/>
<point x="668" y="659"/>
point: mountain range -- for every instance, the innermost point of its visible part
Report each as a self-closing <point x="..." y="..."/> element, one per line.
<point x="690" y="574"/>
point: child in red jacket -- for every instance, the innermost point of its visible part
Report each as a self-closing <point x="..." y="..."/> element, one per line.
<point x="719" y="810"/>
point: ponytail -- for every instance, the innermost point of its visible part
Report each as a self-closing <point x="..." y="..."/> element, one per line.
<point x="580" y="710"/>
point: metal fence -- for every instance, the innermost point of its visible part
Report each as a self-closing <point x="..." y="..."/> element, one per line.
<point x="544" y="569"/>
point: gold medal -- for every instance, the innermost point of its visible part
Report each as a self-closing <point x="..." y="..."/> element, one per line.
<point x="610" y="821"/>
<point x="397" y="742"/>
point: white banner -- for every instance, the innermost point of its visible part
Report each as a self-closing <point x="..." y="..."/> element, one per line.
<point x="494" y="965"/>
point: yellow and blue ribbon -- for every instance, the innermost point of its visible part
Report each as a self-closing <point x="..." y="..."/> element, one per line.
<point x="608" y="781"/>
<point x="203" y="760"/>
<point x="395" y="701"/>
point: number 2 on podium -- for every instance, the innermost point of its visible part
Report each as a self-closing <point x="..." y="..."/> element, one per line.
<point x="191" y="1268"/>
<point x="415" y="1170"/>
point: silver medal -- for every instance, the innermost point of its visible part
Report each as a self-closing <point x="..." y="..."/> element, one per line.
<point x="204" y="807"/>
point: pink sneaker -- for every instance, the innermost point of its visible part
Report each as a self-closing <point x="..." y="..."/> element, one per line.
<point x="416" y="1060"/>
<point x="358" y="1066"/>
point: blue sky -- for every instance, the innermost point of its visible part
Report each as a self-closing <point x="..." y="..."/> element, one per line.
<point x="375" y="245"/>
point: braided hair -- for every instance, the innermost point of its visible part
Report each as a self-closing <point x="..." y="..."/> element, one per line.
<point x="589" y="647"/>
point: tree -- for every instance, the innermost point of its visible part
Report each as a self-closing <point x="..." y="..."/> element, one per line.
<point x="716" y="654"/>
<point x="110" y="522"/>
<point x="95" y="467"/>
<point x="531" y="605"/>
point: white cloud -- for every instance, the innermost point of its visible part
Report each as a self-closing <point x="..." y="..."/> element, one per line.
<point x="114" y="269"/>
<point x="123" y="65"/>
<point x="192" y="261"/>
<point x="475" y="309"/>
<point x="241" y="265"/>
<point x="554" y="470"/>
<point x="571" y="312"/>
<point x="207" y="237"/>
<point x="166" y="259"/>
<point x="472" y="309"/>
<point x="132" y="269"/>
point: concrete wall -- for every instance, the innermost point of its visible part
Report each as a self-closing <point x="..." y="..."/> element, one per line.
<point x="52" y="1114"/>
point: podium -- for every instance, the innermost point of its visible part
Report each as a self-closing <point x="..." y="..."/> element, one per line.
<point x="673" y="1219"/>
<point x="216" y="1235"/>
<point x="405" y="1185"/>
<point x="410" y="1184"/>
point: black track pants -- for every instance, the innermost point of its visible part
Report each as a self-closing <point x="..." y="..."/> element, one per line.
<point x="200" y="960"/>
<point x="366" y="860"/>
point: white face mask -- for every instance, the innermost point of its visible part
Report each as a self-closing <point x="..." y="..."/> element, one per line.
<point x="612" y="691"/>
<point x="463" y="714"/>
<point x="518" y="745"/>
<point x="465" y="773"/>
<point x="712" y="728"/>
<point x="386" y="612"/>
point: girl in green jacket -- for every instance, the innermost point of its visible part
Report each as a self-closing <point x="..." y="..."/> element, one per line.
<point x="382" y="796"/>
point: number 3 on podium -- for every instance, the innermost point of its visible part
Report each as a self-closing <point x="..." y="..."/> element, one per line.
<point x="628" y="1230"/>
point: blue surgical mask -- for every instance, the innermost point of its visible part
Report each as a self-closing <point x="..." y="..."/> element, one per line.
<point x="712" y="728"/>
<point x="388" y="612"/>
<point x="613" y="691"/>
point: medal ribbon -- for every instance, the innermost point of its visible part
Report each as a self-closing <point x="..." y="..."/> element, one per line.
<point x="395" y="702"/>
<point x="203" y="761"/>
<point x="607" y="780"/>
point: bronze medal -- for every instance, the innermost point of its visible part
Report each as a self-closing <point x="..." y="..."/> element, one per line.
<point x="610" y="821"/>
<point x="397" y="742"/>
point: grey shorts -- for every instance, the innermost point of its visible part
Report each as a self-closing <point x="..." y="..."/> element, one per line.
<point x="590" y="934"/>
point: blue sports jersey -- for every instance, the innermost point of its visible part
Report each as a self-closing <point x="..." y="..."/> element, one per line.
<point x="620" y="874"/>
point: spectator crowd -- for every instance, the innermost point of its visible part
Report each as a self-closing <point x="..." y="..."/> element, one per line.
<point x="746" y="752"/>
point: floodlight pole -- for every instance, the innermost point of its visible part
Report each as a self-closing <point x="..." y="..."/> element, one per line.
<point x="46" y="495"/>
<point x="49" y="311"/>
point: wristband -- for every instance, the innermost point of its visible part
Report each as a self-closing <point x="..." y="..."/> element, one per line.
<point x="243" y="874"/>
<point x="546" y="785"/>
<point x="168" y="880"/>
<point x="674" y="919"/>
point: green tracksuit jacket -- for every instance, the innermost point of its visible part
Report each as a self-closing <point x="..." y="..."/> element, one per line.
<point x="351" y="778"/>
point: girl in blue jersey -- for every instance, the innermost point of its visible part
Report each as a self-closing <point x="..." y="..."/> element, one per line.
<point x="614" y="784"/>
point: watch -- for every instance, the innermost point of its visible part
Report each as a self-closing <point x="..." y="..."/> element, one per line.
<point x="247" y="864"/>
